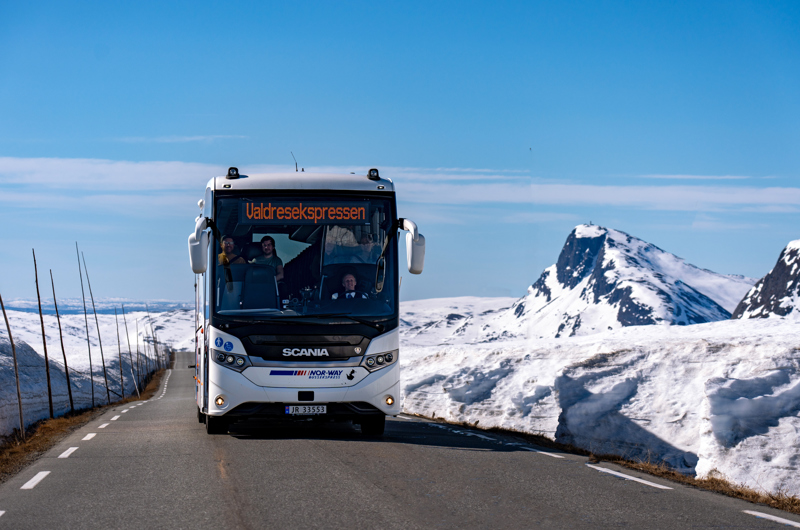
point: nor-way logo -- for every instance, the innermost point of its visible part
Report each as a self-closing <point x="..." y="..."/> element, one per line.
<point x="310" y="374"/>
<point x="299" y="352"/>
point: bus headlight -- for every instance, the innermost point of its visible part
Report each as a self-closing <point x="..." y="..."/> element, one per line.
<point x="233" y="362"/>
<point x="220" y="401"/>
<point x="389" y="400"/>
<point x="376" y="362"/>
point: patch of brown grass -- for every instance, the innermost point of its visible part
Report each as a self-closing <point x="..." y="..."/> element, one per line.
<point x="716" y="482"/>
<point x="16" y="454"/>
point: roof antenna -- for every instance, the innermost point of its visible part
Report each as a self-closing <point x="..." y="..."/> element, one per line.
<point x="295" y="162"/>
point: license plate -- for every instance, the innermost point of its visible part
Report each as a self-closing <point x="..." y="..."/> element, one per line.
<point x="306" y="410"/>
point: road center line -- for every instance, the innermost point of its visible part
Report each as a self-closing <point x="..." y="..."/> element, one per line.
<point x="35" y="480"/>
<point x="89" y="436"/>
<point x="115" y="418"/>
<point x="772" y="518"/>
<point x="2" y="512"/>
<point x="628" y="477"/>
<point x="542" y="452"/>
<point x="68" y="452"/>
<point x="103" y="426"/>
<point x="124" y="411"/>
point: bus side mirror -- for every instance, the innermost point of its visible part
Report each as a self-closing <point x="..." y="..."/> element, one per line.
<point x="415" y="252"/>
<point x="198" y="252"/>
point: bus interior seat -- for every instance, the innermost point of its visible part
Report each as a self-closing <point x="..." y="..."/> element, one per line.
<point x="260" y="288"/>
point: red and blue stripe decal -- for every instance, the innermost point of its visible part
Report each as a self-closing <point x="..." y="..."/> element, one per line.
<point x="288" y="372"/>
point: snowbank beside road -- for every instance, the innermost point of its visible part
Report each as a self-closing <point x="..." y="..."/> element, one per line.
<point x="174" y="328"/>
<point x="723" y="396"/>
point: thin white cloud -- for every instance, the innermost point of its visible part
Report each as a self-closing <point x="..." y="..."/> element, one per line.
<point x="24" y="179"/>
<point x="694" y="177"/>
<point x="179" y="139"/>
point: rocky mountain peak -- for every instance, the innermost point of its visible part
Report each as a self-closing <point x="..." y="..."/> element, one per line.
<point x="777" y="293"/>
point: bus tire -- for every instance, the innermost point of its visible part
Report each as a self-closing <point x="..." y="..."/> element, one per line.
<point x="373" y="426"/>
<point x="216" y="425"/>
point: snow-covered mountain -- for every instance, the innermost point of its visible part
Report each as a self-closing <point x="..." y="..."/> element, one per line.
<point x="777" y="293"/>
<point x="606" y="279"/>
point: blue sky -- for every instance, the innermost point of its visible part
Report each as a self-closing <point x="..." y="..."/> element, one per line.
<point x="503" y="124"/>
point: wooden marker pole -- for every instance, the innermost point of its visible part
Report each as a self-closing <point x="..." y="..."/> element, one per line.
<point x="119" y="351"/>
<point x="61" y="337"/>
<point x="86" y="320"/>
<point x="97" y="323"/>
<point x="16" y="370"/>
<point x="130" y="354"/>
<point x="44" y="340"/>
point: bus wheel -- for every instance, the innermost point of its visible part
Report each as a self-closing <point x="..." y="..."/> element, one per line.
<point x="201" y="418"/>
<point x="216" y="425"/>
<point x="373" y="426"/>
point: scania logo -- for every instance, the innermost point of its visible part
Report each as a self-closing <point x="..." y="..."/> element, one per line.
<point x="299" y="352"/>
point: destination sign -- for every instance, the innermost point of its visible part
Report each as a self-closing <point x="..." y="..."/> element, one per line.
<point x="301" y="212"/>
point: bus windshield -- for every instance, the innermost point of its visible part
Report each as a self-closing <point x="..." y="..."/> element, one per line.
<point x="280" y="257"/>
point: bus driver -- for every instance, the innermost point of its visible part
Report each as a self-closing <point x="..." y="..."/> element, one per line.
<point x="349" y="283"/>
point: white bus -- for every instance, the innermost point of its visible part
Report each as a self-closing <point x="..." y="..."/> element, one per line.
<point x="298" y="298"/>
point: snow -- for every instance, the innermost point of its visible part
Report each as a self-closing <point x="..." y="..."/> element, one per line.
<point x="793" y="245"/>
<point x="174" y="328"/>
<point x="720" y="397"/>
<point x="589" y="231"/>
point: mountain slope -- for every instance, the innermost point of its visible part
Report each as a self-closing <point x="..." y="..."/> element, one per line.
<point x="605" y="279"/>
<point x="777" y="293"/>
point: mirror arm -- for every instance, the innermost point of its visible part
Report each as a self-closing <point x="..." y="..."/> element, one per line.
<point x="410" y="226"/>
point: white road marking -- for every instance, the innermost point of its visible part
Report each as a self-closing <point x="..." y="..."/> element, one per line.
<point x="115" y="418"/>
<point x="124" y="411"/>
<point x="2" y="512"/>
<point x="772" y="518"/>
<point x="628" y="477"/>
<point x="103" y="426"/>
<point x="89" y="436"/>
<point x="68" y="452"/>
<point x="35" y="480"/>
<point x="548" y="453"/>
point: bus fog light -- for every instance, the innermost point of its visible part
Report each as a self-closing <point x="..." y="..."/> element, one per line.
<point x="379" y="358"/>
<point x="230" y="359"/>
<point x="219" y="401"/>
<point x="389" y="400"/>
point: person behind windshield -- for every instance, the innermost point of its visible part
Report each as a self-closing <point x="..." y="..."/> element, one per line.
<point x="227" y="257"/>
<point x="368" y="251"/>
<point x="269" y="257"/>
<point x="349" y="283"/>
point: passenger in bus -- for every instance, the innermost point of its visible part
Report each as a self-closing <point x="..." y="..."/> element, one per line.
<point x="349" y="283"/>
<point x="367" y="252"/>
<point x="269" y="257"/>
<point x="227" y="257"/>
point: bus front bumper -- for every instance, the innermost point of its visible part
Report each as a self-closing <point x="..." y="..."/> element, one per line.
<point x="244" y="398"/>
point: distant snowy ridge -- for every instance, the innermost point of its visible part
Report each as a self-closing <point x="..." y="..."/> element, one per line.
<point x="606" y="279"/>
<point x="103" y="305"/>
<point x="777" y="293"/>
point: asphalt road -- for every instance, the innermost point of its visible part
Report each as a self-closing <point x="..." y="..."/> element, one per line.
<point x="152" y="465"/>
